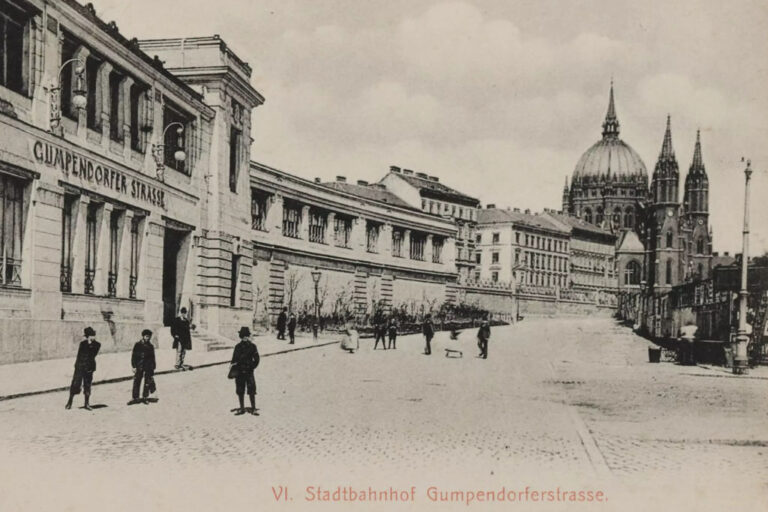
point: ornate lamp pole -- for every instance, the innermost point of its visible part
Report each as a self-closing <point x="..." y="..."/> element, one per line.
<point x="158" y="150"/>
<point x="316" y="279"/>
<point x="79" y="99"/>
<point x="742" y="337"/>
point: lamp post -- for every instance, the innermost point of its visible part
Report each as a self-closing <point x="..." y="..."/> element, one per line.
<point x="316" y="279"/>
<point x="79" y="100"/>
<point x="158" y="150"/>
<point x="742" y="337"/>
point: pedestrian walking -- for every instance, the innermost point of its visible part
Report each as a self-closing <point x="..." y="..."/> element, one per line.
<point x="182" y="339"/>
<point x="392" y="332"/>
<point x="292" y="329"/>
<point x="282" y="320"/>
<point x="245" y="359"/>
<point x="143" y="363"/>
<point x="85" y="365"/>
<point x="380" y="332"/>
<point x="350" y="340"/>
<point x="428" y="329"/>
<point x="483" y="335"/>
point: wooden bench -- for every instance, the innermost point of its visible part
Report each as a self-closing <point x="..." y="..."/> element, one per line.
<point x="453" y="353"/>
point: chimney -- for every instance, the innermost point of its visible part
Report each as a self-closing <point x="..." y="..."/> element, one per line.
<point x="726" y="253"/>
<point x="516" y="210"/>
<point x="490" y="206"/>
<point x="434" y="178"/>
<point x="422" y="175"/>
<point x="394" y="168"/>
<point x="527" y="211"/>
<point x="362" y="182"/>
<point x="341" y="179"/>
<point x="317" y="180"/>
<point x="509" y="208"/>
<point x="407" y="171"/>
<point x="714" y="254"/>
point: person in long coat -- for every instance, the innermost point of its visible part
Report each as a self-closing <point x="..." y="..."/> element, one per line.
<point x="182" y="339"/>
<point x="282" y="320"/>
<point x="85" y="365"/>
<point x="143" y="363"/>
<point x="292" y="329"/>
<point x="392" y="331"/>
<point x="483" y="335"/>
<point x="245" y="359"/>
<point x="428" y="329"/>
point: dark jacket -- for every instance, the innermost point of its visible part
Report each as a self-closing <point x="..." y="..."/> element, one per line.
<point x="180" y="333"/>
<point x="484" y="333"/>
<point x="428" y="328"/>
<point x="392" y="328"/>
<point x="86" y="356"/>
<point x="292" y="324"/>
<point x="245" y="357"/>
<point x="143" y="357"/>
<point x="282" y="318"/>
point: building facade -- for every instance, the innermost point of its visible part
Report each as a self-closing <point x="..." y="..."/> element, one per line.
<point x="109" y="171"/>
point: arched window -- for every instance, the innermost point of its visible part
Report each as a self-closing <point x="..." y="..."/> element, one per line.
<point x="617" y="217"/>
<point x="632" y="273"/>
<point x="669" y="272"/>
<point x="599" y="215"/>
<point x="699" y="246"/>
<point x="669" y="239"/>
<point x="588" y="215"/>
<point x="629" y="218"/>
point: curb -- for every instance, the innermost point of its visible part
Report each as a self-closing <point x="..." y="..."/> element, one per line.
<point x="163" y="372"/>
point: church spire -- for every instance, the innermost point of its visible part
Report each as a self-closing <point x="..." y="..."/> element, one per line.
<point x="697" y="166"/>
<point x="667" y="152"/>
<point x="611" y="123"/>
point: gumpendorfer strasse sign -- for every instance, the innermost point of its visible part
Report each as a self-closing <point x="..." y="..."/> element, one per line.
<point x="95" y="176"/>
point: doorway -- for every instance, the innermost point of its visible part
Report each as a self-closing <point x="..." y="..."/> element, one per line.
<point x="174" y="259"/>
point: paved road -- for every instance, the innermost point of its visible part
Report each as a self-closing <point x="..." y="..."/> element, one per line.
<point x="570" y="403"/>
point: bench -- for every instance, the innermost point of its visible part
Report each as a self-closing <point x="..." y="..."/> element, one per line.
<point x="453" y="353"/>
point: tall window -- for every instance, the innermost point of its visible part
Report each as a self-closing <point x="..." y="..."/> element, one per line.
<point x="115" y="104"/>
<point x="234" y="279"/>
<point x="517" y="238"/>
<point x="342" y="231"/>
<point x="629" y="218"/>
<point x="174" y="114"/>
<point x="67" y="225"/>
<point x="418" y="241"/>
<point x="632" y="273"/>
<point x="669" y="239"/>
<point x="372" y="237"/>
<point x="699" y="246"/>
<point x="478" y="257"/>
<point x="90" y="248"/>
<point x="93" y="92"/>
<point x="11" y="229"/>
<point x="397" y="243"/>
<point x="114" y="253"/>
<point x="617" y="217"/>
<point x="318" y="221"/>
<point x="137" y="97"/>
<point x="437" y="250"/>
<point x="494" y="257"/>
<point x="134" y="276"/>
<point x="12" y="55"/>
<point x="235" y="141"/>
<point x="669" y="272"/>
<point x="291" y="220"/>
<point x="495" y="277"/>
<point x="258" y="210"/>
<point x="700" y="269"/>
<point x="495" y="238"/>
<point x="599" y="215"/>
<point x="588" y="215"/>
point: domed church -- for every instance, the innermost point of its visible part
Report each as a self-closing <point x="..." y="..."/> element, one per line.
<point x="661" y="240"/>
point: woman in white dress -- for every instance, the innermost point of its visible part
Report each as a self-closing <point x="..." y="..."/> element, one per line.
<point x="350" y="340"/>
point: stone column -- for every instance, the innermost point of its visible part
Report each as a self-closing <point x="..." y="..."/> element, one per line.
<point x="103" y="218"/>
<point x="407" y="244"/>
<point x="78" y="244"/>
<point x="103" y="102"/>
<point x="449" y="254"/>
<point x="357" y="238"/>
<point x="428" y="248"/>
<point x="385" y="240"/>
<point x="124" y="262"/>
<point x="330" y="230"/>
<point x="82" y="53"/>
<point x="304" y="226"/>
<point x="124" y="109"/>
<point x="274" y="219"/>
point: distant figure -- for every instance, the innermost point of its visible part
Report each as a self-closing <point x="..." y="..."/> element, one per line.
<point x="428" y="329"/>
<point x="182" y="339"/>
<point x="687" y="338"/>
<point x="350" y="340"/>
<point x="380" y="331"/>
<point x="483" y="335"/>
<point x="85" y="365"/>
<point x="454" y="332"/>
<point x="245" y="359"/>
<point x="282" y="319"/>
<point x="292" y="329"/>
<point x="392" y="331"/>
<point x="143" y="363"/>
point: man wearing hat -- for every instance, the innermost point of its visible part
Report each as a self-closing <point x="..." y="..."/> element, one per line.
<point x="85" y="365"/>
<point x="483" y="335"/>
<point x="245" y="359"/>
<point x="182" y="339"/>
<point x="143" y="363"/>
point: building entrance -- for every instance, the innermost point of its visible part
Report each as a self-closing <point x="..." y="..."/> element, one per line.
<point x="175" y="249"/>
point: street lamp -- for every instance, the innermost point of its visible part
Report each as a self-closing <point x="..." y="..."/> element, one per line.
<point x="316" y="279"/>
<point x="742" y="338"/>
<point x="158" y="150"/>
<point x="79" y="99"/>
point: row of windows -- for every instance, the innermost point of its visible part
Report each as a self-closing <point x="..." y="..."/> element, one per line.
<point x="619" y="219"/>
<point x="593" y="192"/>
<point x="544" y="262"/>
<point x="440" y="208"/>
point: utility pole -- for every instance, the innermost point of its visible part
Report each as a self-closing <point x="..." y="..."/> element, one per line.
<point x="740" y="362"/>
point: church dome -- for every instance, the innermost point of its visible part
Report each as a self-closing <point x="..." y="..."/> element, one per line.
<point x="610" y="158"/>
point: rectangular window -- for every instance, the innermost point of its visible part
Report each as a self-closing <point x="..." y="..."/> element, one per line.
<point x="11" y="229"/>
<point x="372" y="237"/>
<point x="495" y="277"/>
<point x="477" y="275"/>
<point x="318" y="220"/>
<point x="479" y="238"/>
<point x="418" y="242"/>
<point x="138" y="93"/>
<point x="517" y="238"/>
<point x="494" y="257"/>
<point x="478" y="257"/>
<point x="68" y="48"/>
<point x="342" y="231"/>
<point x="258" y="211"/>
<point x="437" y="250"/>
<point x="397" y="243"/>
<point x="517" y="257"/>
<point x="495" y="238"/>
<point x="173" y="140"/>
<point x="114" y="253"/>
<point x="90" y="248"/>
<point x="67" y="230"/>
<point x="93" y="106"/>
<point x="234" y="280"/>
<point x="134" y="276"/>
<point x="12" y="43"/>
<point x="115" y="110"/>
<point x="235" y="141"/>
<point x="291" y="220"/>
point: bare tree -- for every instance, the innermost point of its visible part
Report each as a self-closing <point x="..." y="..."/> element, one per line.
<point x="292" y="281"/>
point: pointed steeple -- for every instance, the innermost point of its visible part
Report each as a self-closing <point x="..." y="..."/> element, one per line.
<point x="667" y="152"/>
<point x="611" y="123"/>
<point x="697" y="166"/>
<point x="565" y="188"/>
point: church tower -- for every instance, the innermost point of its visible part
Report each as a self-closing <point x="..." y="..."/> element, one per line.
<point x="663" y="237"/>
<point x="566" y="197"/>
<point x="698" y="255"/>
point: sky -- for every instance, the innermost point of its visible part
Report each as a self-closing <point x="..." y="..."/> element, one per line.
<point x="497" y="97"/>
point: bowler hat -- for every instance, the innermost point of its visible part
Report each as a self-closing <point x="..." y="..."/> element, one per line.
<point x="89" y="332"/>
<point x="146" y="332"/>
<point x="244" y="331"/>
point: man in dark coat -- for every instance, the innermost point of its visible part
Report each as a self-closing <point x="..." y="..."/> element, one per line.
<point x="483" y="335"/>
<point x="182" y="339"/>
<point x="292" y="329"/>
<point x="379" y="331"/>
<point x="245" y="359"/>
<point x="85" y="365"/>
<point x="429" y="332"/>
<point x="392" y="331"/>
<point x="143" y="363"/>
<point x="282" y="320"/>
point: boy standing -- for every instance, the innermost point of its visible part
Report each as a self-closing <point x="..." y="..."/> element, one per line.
<point x="143" y="363"/>
<point x="85" y="365"/>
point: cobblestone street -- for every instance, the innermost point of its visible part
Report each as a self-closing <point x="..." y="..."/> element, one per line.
<point x="560" y="402"/>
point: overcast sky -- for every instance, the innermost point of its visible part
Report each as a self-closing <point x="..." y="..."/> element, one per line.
<point x="498" y="97"/>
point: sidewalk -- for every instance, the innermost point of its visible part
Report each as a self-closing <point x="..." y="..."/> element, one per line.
<point x="37" y="377"/>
